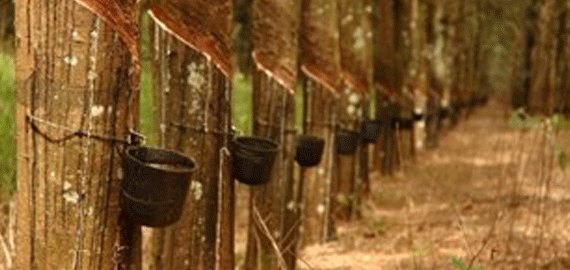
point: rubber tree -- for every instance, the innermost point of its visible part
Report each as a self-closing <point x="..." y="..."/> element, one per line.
<point x="541" y="94"/>
<point x="319" y="60"/>
<point x="274" y="210"/>
<point x="353" y="45"/>
<point x="387" y="76"/>
<point x="192" y="79"/>
<point x="442" y="53"/>
<point x="6" y="18"/>
<point x="78" y="86"/>
<point x="565" y="69"/>
<point x="417" y="70"/>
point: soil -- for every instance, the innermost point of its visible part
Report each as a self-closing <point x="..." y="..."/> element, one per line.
<point x="490" y="196"/>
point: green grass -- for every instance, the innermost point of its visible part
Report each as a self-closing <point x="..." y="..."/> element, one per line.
<point x="7" y="126"/>
<point x="242" y="104"/>
<point x="146" y="119"/>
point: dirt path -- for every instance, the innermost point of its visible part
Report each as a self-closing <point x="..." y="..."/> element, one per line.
<point x="488" y="194"/>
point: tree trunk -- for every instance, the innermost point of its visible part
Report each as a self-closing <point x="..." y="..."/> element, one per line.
<point x="418" y="70"/>
<point x="320" y="64"/>
<point x="192" y="96"/>
<point x="193" y="111"/>
<point x="354" y="56"/>
<point x="386" y="77"/>
<point x="566" y="60"/>
<point x="273" y="209"/>
<point x="6" y="19"/>
<point x="362" y="185"/>
<point x="443" y="59"/>
<point x="343" y="190"/>
<point x="74" y="74"/>
<point x="320" y="108"/>
<point x="541" y="90"/>
<point x="243" y="39"/>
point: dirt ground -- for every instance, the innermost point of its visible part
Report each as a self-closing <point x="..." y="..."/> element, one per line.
<point x="489" y="196"/>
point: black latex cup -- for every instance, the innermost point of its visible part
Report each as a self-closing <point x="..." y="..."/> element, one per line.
<point x="253" y="159"/>
<point x="445" y="112"/>
<point x="155" y="185"/>
<point x="406" y="123"/>
<point x="346" y="142"/>
<point x="370" y="131"/>
<point x="417" y="116"/>
<point x="309" y="150"/>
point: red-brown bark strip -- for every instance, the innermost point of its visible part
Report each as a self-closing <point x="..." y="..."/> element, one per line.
<point x="120" y="16"/>
<point x="275" y="40"/>
<point x="354" y="40"/>
<point x="205" y="26"/>
<point x="319" y="43"/>
<point x="192" y="97"/>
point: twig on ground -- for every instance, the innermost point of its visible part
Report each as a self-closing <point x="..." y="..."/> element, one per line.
<point x="6" y="252"/>
<point x="267" y="233"/>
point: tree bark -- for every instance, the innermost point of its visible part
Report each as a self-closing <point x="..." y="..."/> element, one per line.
<point x="273" y="209"/>
<point x="193" y="111"/>
<point x="354" y="56"/>
<point x="320" y="65"/>
<point x="386" y="74"/>
<point x="541" y="90"/>
<point x="6" y="18"/>
<point x="565" y="89"/>
<point x="75" y="71"/>
<point x="192" y="101"/>
<point x="418" y="70"/>
<point x="320" y="107"/>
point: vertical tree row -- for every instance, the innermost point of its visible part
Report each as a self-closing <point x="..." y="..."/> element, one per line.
<point x="540" y="58"/>
<point x="78" y="80"/>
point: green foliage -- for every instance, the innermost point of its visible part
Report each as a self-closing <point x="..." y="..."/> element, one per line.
<point x="519" y="119"/>
<point x="7" y="126"/>
<point x="460" y="264"/>
<point x="242" y="103"/>
<point x="243" y="91"/>
<point x="558" y="123"/>
<point x="344" y="200"/>
<point x="146" y="119"/>
<point x="379" y="224"/>
<point x="562" y="158"/>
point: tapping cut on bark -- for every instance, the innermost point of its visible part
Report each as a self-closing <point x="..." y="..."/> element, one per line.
<point x="121" y="17"/>
<point x="320" y="65"/>
<point x="275" y="202"/>
<point x="275" y="27"/>
<point x="205" y="26"/>
<point x="73" y="71"/>
<point x="192" y="78"/>
<point x="275" y="40"/>
<point x="319" y="43"/>
<point x="355" y="38"/>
